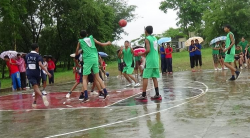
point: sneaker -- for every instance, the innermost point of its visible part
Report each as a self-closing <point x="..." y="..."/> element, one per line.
<point x="94" y="93"/>
<point x="129" y="85"/>
<point x="33" y="105"/>
<point x="237" y="74"/>
<point x="85" y="100"/>
<point x="216" y="69"/>
<point x="219" y="69"/>
<point x="101" y="95"/>
<point x="44" y="92"/>
<point x="245" y="65"/>
<point x="105" y="96"/>
<point x="232" y="79"/>
<point x="141" y="98"/>
<point x="241" y="68"/>
<point x="45" y="101"/>
<point x="225" y="68"/>
<point x="81" y="97"/>
<point x="68" y="95"/>
<point x="137" y="85"/>
<point x="33" y="94"/>
<point x="156" y="97"/>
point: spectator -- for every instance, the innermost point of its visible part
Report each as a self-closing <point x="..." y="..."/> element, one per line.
<point x="51" y="67"/>
<point x="22" y="69"/>
<point x="14" y="72"/>
<point x="163" y="60"/>
<point x="168" y="53"/>
<point x="198" y="54"/>
<point x="243" y="44"/>
<point x="216" y="48"/>
<point x="192" y="55"/>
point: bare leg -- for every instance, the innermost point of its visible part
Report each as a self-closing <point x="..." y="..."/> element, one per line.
<point x="155" y="82"/>
<point x="145" y="85"/>
<point x="230" y="66"/>
<point x="73" y="88"/>
<point x="132" y="77"/>
<point x="37" y="92"/>
<point x="85" y="82"/>
<point x="98" y="79"/>
<point x="126" y="76"/>
<point x="44" y="85"/>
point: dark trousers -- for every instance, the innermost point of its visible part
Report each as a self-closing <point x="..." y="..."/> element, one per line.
<point x="23" y="79"/>
<point x="169" y="64"/>
<point x="51" y="80"/>
<point x="192" y="61"/>
<point x="163" y="64"/>
<point x="198" y="60"/>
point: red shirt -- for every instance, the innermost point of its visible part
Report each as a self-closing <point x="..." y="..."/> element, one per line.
<point x="51" y="65"/>
<point x="13" y="68"/>
<point x="169" y="52"/>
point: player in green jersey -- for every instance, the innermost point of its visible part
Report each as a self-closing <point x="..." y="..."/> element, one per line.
<point x="152" y="64"/>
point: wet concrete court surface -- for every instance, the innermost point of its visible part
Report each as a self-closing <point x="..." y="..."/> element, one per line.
<point x="194" y="105"/>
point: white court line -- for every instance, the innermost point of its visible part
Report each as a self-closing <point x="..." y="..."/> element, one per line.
<point x="118" y="122"/>
<point x="126" y="98"/>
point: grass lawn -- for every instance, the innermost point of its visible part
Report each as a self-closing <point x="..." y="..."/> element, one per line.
<point x="181" y="62"/>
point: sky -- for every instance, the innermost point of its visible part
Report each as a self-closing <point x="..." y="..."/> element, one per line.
<point x="148" y="13"/>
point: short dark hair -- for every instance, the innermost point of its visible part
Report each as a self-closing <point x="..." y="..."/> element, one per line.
<point x="34" y="46"/>
<point x="228" y="26"/>
<point x="192" y="40"/>
<point x="83" y="33"/>
<point x="149" y="29"/>
<point x="196" y="39"/>
<point x="18" y="55"/>
<point x="127" y="41"/>
<point x="168" y="44"/>
<point x="223" y="43"/>
<point x="6" y="57"/>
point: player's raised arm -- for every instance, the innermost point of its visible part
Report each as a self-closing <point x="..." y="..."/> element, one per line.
<point x="102" y="44"/>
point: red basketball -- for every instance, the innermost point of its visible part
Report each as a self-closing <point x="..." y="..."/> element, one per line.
<point x="122" y="23"/>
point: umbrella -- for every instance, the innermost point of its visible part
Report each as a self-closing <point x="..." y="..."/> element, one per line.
<point x="217" y="39"/>
<point x="188" y="42"/>
<point x="11" y="54"/>
<point x="102" y="54"/>
<point x="164" y="40"/>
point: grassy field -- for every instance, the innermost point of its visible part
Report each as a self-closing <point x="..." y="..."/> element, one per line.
<point x="180" y="63"/>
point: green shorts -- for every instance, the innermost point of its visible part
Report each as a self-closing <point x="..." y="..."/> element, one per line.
<point x="151" y="73"/>
<point x="229" y="58"/>
<point x="87" y="67"/>
<point x="128" y="70"/>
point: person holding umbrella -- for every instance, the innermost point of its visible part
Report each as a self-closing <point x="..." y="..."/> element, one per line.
<point x="163" y="60"/>
<point x="230" y="52"/>
<point x="198" y="54"/>
<point x="192" y="50"/>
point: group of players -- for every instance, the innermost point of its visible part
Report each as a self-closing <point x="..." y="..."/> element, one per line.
<point x="89" y="65"/>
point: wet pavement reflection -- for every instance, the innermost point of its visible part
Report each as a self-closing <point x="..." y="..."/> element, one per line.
<point x="188" y="110"/>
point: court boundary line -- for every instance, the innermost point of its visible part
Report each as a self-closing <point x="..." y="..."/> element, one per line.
<point x="106" y="107"/>
<point x="133" y="118"/>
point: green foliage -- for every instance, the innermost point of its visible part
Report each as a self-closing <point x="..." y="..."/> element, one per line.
<point x="174" y="33"/>
<point x="189" y="12"/>
<point x="55" y="24"/>
<point x="221" y="12"/>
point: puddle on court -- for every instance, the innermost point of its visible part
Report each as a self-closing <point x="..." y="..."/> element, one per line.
<point x="221" y="112"/>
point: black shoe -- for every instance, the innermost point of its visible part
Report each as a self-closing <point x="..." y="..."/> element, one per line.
<point x="232" y="79"/>
<point x="81" y="97"/>
<point x="141" y="98"/>
<point x="101" y="95"/>
<point x="85" y="100"/>
<point x="237" y="74"/>
<point x="156" y="97"/>
<point x="105" y="95"/>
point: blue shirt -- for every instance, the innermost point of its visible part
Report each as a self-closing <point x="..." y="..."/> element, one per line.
<point x="32" y="62"/>
<point x="191" y="54"/>
<point x="162" y="49"/>
<point x="197" y="52"/>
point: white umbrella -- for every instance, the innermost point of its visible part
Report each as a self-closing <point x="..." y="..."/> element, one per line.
<point x="188" y="42"/>
<point x="11" y="54"/>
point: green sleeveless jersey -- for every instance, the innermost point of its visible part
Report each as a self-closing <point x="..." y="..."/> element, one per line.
<point x="89" y="50"/>
<point x="228" y="43"/>
<point x="127" y="57"/>
<point x="152" y="58"/>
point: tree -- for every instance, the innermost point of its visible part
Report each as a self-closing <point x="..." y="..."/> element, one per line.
<point x="174" y="33"/>
<point x="189" y="12"/>
<point x="221" y="12"/>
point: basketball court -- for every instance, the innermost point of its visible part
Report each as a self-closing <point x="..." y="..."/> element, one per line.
<point x="194" y="105"/>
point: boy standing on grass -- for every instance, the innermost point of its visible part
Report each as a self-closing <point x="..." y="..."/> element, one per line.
<point x="128" y="59"/>
<point x="152" y="64"/>
<point x="90" y="59"/>
<point x="34" y="62"/>
<point x="198" y="54"/>
<point x="51" y="68"/>
<point x="230" y="52"/>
